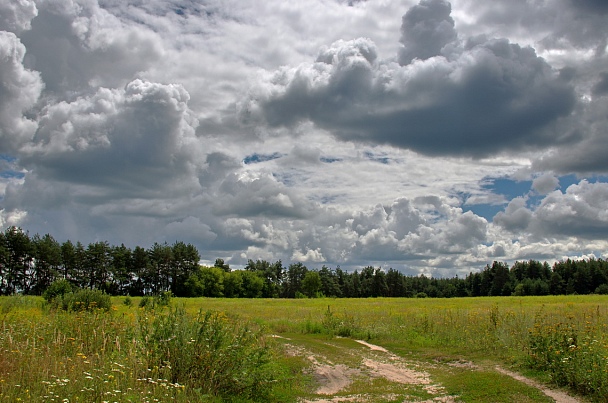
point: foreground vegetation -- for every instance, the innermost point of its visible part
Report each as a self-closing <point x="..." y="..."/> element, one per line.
<point x="202" y="349"/>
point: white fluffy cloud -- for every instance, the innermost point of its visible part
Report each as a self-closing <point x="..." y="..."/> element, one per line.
<point x="19" y="92"/>
<point x="580" y="211"/>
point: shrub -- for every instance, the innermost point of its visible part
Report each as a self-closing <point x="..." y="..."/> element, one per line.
<point x="602" y="289"/>
<point x="57" y="289"/>
<point x="83" y="300"/>
<point x="210" y="353"/>
<point x="341" y="325"/>
<point x="146" y="302"/>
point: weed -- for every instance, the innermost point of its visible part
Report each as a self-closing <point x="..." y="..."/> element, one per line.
<point x="209" y="353"/>
<point x="83" y="300"/>
<point x="574" y="356"/>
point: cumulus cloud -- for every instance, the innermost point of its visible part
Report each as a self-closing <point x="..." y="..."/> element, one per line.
<point x="425" y="30"/>
<point x="492" y="96"/>
<point x="587" y="155"/>
<point x="16" y="16"/>
<point x="77" y="45"/>
<point x="545" y="183"/>
<point x="252" y="195"/>
<point x="20" y="89"/>
<point x="135" y="143"/>
<point x="580" y="211"/>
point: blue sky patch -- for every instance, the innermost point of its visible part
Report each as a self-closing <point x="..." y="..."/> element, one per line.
<point x="256" y="158"/>
<point x="373" y="157"/>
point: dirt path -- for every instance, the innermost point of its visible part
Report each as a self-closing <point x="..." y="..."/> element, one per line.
<point x="558" y="396"/>
<point x="373" y="362"/>
<point x="369" y="363"/>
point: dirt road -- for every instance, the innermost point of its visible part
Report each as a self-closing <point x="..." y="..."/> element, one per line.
<point x="347" y="370"/>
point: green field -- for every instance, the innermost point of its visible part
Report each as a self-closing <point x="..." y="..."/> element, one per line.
<point x="221" y="350"/>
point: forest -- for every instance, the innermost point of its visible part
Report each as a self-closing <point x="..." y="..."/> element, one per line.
<point x="30" y="264"/>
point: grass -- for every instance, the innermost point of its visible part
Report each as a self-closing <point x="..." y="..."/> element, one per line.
<point x="145" y="355"/>
<point x="137" y="355"/>
<point x="482" y="387"/>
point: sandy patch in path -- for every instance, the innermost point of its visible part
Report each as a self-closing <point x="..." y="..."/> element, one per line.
<point x="374" y="347"/>
<point x="333" y="378"/>
<point x="558" y="396"/>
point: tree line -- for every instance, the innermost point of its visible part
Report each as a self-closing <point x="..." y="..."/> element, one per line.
<point x="30" y="264"/>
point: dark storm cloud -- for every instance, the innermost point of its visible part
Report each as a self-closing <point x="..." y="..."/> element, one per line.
<point x="425" y="30"/>
<point x="601" y="86"/>
<point x="492" y="96"/>
<point x="592" y="6"/>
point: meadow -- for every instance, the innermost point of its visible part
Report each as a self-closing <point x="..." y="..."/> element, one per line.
<point x="213" y="349"/>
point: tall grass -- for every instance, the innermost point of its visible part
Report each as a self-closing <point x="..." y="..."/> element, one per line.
<point x="131" y="354"/>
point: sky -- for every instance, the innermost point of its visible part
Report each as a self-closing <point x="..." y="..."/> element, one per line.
<point x="430" y="137"/>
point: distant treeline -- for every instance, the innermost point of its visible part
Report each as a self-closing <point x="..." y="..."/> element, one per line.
<point x="29" y="265"/>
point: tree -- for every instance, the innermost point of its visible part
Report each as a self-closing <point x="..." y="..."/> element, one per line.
<point x="140" y="263"/>
<point x="185" y="262"/>
<point x="311" y="284"/>
<point x="222" y="265"/>
<point x="293" y="279"/>
<point x="329" y="283"/>
<point x="233" y="284"/>
<point x="47" y="260"/>
<point x="212" y="279"/>
<point x="271" y="273"/>
<point x="98" y="261"/>
<point x="158" y="277"/>
<point x="253" y="284"/>
<point x="19" y="259"/>
<point x="121" y="270"/>
<point x="394" y="282"/>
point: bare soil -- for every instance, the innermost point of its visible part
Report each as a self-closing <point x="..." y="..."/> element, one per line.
<point x="334" y="379"/>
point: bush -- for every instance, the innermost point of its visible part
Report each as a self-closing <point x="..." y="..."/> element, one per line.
<point x="57" y="289"/>
<point x="210" y="353"/>
<point x="83" y="300"/>
<point x="602" y="289"/>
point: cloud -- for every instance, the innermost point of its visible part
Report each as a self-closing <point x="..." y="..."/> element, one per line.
<point x="121" y="151"/>
<point x="492" y="96"/>
<point x="516" y="216"/>
<point x="77" y="46"/>
<point x="580" y="211"/>
<point x="253" y="195"/>
<point x="425" y="30"/>
<point x="545" y="183"/>
<point x="20" y="89"/>
<point x="330" y="132"/>
<point x="16" y="16"/>
<point x="589" y="124"/>
<point x="601" y="86"/>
